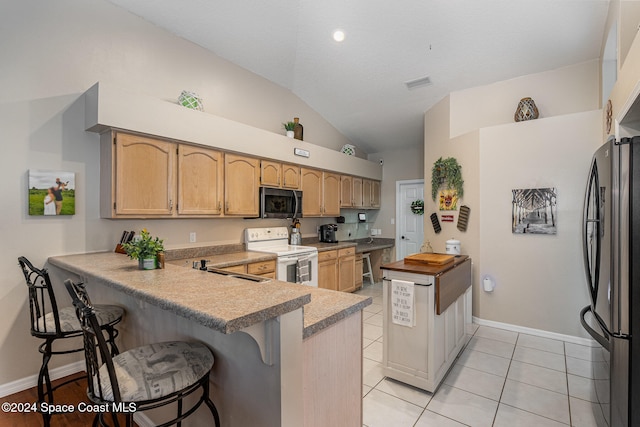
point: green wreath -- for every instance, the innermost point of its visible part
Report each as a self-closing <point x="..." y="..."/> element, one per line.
<point x="417" y="207"/>
<point x="446" y="170"/>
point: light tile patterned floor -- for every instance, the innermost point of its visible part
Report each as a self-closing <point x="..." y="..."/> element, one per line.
<point x="501" y="379"/>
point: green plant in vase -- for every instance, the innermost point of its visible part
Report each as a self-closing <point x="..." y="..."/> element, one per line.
<point x="289" y="127"/>
<point x="144" y="248"/>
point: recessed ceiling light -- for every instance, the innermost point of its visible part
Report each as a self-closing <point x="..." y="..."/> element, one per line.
<point x="338" y="35"/>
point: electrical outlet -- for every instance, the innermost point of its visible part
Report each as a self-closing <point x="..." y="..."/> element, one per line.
<point x="192" y="237"/>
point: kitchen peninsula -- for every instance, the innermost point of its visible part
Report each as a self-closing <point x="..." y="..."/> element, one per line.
<point x="285" y="354"/>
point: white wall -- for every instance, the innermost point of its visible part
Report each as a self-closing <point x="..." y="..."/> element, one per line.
<point x="539" y="279"/>
<point x="53" y="52"/>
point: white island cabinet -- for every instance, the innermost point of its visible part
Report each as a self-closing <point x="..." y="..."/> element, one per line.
<point x="426" y="310"/>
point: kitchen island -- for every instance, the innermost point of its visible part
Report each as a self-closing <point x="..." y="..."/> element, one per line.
<point x="285" y="354"/>
<point x="426" y="310"/>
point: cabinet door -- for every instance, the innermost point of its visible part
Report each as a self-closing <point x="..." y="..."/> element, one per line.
<point x="290" y="176"/>
<point x="375" y="194"/>
<point x="346" y="191"/>
<point x="328" y="270"/>
<point x="270" y="173"/>
<point x="331" y="194"/>
<point x="366" y="193"/>
<point x="241" y="184"/>
<point x="144" y="176"/>
<point x="357" y="192"/>
<point x="200" y="181"/>
<point x="358" y="271"/>
<point x="311" y="185"/>
<point x="347" y="270"/>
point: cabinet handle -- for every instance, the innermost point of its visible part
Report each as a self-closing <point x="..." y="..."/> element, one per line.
<point x="170" y="205"/>
<point x="219" y="205"/>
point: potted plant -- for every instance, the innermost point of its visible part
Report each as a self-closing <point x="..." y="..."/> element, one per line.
<point x="289" y="126"/>
<point x="145" y="249"/>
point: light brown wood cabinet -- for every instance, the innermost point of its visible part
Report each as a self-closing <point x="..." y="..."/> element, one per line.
<point x="328" y="270"/>
<point x="347" y="270"/>
<point x="358" y="192"/>
<point x="375" y="194"/>
<point x="200" y="181"/>
<point x="346" y="191"/>
<point x="320" y="193"/>
<point x="281" y="175"/>
<point x="265" y="269"/>
<point x="337" y="270"/>
<point x="241" y="185"/>
<point x="358" y="271"/>
<point x="137" y="176"/>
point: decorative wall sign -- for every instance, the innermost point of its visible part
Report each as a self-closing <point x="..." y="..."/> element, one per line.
<point x="52" y="193"/>
<point x="446" y="218"/>
<point x="448" y="200"/>
<point x="534" y="211"/>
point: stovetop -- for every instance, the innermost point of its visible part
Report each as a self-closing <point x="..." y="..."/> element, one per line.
<point x="273" y="240"/>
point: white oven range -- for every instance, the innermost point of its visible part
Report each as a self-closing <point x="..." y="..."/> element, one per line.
<point x="295" y="263"/>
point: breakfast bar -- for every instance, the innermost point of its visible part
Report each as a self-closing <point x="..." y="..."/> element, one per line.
<point x="277" y="346"/>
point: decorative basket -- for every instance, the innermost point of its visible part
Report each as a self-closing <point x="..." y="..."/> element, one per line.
<point x="526" y="110"/>
<point x="190" y="100"/>
<point x="348" y="149"/>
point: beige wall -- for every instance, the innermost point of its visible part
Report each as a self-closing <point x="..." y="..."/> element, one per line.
<point x="534" y="274"/>
<point x="57" y="51"/>
<point x="398" y="165"/>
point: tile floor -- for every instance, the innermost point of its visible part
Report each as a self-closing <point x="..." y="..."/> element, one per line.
<point x="501" y="379"/>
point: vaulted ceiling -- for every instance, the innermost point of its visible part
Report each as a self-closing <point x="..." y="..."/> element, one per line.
<point x="358" y="85"/>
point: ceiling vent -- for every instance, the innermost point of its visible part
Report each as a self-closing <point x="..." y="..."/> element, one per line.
<point x="422" y="81"/>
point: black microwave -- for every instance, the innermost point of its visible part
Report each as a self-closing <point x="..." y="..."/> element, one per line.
<point x="280" y="203"/>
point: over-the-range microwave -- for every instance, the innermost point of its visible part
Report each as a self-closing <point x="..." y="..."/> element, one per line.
<point x="280" y="203"/>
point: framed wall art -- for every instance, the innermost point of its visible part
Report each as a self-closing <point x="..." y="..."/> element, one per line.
<point x="52" y="193"/>
<point x="534" y="211"/>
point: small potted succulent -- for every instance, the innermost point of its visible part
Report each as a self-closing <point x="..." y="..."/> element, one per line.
<point x="289" y="126"/>
<point x="145" y="249"/>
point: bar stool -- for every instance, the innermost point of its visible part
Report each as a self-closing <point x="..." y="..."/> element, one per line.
<point x="50" y="323"/>
<point x="366" y="260"/>
<point x="145" y="377"/>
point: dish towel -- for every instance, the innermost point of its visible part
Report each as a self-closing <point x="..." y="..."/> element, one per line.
<point x="403" y="308"/>
<point x="302" y="270"/>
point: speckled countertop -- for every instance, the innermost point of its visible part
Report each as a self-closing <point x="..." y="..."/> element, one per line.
<point x="362" y="245"/>
<point x="225" y="304"/>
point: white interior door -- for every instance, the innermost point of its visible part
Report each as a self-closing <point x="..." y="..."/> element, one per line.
<point x="409" y="226"/>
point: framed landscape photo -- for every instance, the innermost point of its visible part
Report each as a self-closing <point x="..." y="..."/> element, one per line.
<point x="52" y="193"/>
<point x="534" y="211"/>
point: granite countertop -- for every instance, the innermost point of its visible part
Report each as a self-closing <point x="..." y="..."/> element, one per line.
<point x="225" y="259"/>
<point x="225" y="304"/>
<point x="362" y="245"/>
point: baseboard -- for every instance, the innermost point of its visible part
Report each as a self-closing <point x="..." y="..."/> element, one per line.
<point x="31" y="381"/>
<point x="537" y="332"/>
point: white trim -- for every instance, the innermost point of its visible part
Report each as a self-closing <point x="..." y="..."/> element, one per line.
<point x="31" y="381"/>
<point x="537" y="332"/>
<point x="398" y="185"/>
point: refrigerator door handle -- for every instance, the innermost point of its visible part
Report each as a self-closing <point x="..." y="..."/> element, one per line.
<point x="602" y="340"/>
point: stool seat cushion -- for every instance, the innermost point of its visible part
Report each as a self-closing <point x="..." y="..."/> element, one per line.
<point x="106" y="314"/>
<point x="156" y="370"/>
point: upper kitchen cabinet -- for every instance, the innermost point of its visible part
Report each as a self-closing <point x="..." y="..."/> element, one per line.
<point x="320" y="193"/>
<point x="281" y="175"/>
<point x="350" y="192"/>
<point x="137" y="176"/>
<point x="374" y="193"/>
<point x="200" y="180"/>
<point x="242" y="182"/>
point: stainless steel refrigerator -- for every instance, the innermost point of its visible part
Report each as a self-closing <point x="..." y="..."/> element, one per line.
<point x="611" y="243"/>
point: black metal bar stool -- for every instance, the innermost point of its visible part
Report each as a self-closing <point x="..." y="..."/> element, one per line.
<point x="50" y="323"/>
<point x="145" y="377"/>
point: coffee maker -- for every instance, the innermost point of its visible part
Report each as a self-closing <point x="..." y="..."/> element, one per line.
<point x="328" y="233"/>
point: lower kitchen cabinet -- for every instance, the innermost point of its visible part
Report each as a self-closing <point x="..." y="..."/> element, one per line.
<point x="328" y="270"/>
<point x="262" y="268"/>
<point x="347" y="270"/>
<point x="359" y="271"/>
<point x="337" y="270"/>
